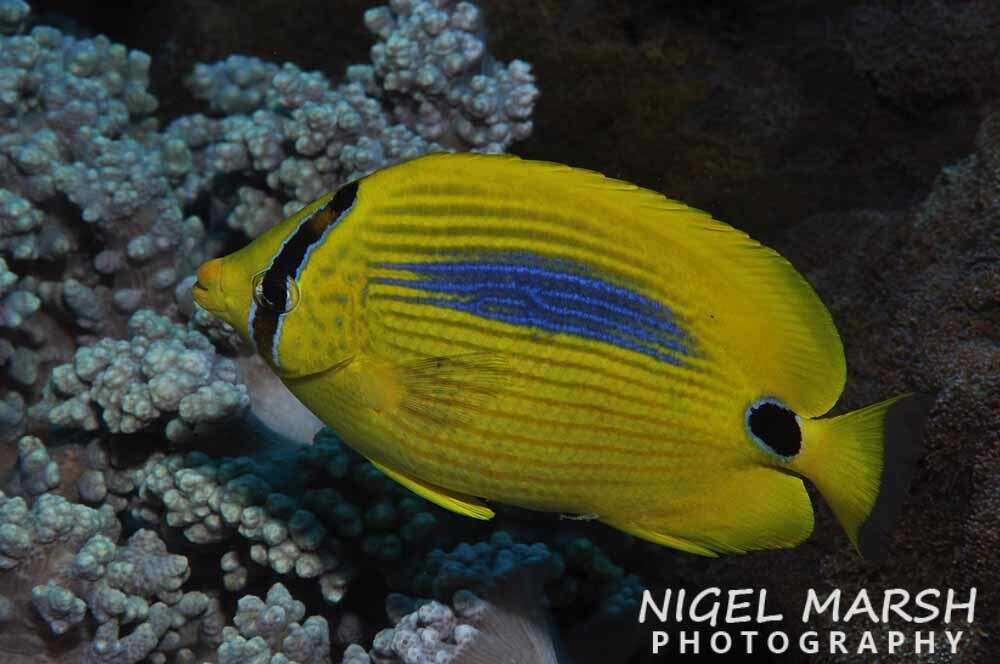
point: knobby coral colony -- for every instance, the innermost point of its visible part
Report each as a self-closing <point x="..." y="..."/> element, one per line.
<point x="114" y="538"/>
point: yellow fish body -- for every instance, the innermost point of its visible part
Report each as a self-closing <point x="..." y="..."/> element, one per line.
<point x="484" y="327"/>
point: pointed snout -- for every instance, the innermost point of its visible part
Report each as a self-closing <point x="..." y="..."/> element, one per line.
<point x="207" y="290"/>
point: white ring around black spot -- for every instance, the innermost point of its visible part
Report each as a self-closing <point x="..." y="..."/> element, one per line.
<point x="759" y="442"/>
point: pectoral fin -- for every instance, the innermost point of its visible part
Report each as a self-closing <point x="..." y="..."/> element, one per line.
<point x="434" y="391"/>
<point x="455" y="502"/>
<point x="445" y="391"/>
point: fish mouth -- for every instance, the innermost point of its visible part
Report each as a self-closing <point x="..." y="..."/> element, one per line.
<point x="203" y="296"/>
<point x="210" y="296"/>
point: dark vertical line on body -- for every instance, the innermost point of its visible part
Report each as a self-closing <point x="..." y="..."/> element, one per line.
<point x="287" y="264"/>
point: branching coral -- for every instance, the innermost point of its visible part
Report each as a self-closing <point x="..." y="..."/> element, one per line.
<point x="273" y="630"/>
<point x="431" y="86"/>
<point x="13" y="14"/>
<point x="293" y="522"/>
<point x="512" y="624"/>
<point x="324" y="513"/>
<point x="36" y="471"/>
<point x="162" y="373"/>
<point x="37" y="546"/>
<point x="80" y="578"/>
<point x="140" y="585"/>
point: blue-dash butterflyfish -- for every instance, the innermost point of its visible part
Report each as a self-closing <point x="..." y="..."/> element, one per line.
<point x="490" y="329"/>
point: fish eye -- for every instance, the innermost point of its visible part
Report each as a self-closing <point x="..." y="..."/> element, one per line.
<point x="278" y="300"/>
<point x="774" y="428"/>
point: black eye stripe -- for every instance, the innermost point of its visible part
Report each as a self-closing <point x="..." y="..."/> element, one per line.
<point x="286" y="264"/>
<point x="344" y="198"/>
<point x="288" y="261"/>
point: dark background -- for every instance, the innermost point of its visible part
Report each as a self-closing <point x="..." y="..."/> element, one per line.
<point x="762" y="113"/>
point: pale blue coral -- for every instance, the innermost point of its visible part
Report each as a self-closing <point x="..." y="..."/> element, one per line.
<point x="22" y="235"/>
<point x="16" y="303"/>
<point x="50" y="520"/>
<point x="74" y="121"/>
<point x="431" y="59"/>
<point x="431" y="634"/>
<point x="138" y="587"/>
<point x="37" y="473"/>
<point x="76" y="115"/>
<point x="142" y="583"/>
<point x="238" y="84"/>
<point x="13" y="14"/>
<point x="163" y="373"/>
<point x="273" y="630"/>
<point x="432" y="86"/>
<point x="303" y="532"/>
<point x="470" y="629"/>
<point x="58" y="606"/>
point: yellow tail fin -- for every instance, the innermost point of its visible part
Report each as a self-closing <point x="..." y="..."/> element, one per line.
<point x="862" y="463"/>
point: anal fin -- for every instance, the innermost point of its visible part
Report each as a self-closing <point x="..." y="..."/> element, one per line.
<point x="749" y="509"/>
<point x="449" y="500"/>
<point x="662" y="539"/>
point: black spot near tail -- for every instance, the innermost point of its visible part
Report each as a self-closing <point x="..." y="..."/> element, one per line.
<point x="775" y="426"/>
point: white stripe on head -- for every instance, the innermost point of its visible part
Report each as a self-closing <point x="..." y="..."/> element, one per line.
<point x="276" y="340"/>
<point x="250" y="317"/>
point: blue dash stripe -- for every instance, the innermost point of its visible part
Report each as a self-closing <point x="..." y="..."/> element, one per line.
<point x="549" y="295"/>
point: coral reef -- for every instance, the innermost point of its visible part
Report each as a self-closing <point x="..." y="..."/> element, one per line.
<point x="266" y="630"/>
<point x="163" y="376"/>
<point x="431" y="86"/>
<point x="469" y="631"/>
